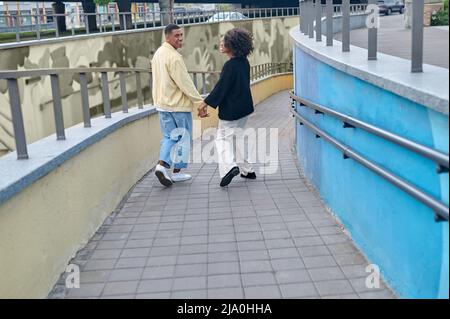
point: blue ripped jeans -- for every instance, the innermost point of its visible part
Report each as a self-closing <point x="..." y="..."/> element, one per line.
<point x="176" y="128"/>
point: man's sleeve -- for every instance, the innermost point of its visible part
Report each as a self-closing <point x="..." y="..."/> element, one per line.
<point x="181" y="77"/>
<point x="222" y="88"/>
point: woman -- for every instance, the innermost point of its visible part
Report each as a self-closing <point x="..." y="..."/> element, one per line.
<point x="233" y="97"/>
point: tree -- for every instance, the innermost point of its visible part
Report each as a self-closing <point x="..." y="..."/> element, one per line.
<point x="102" y="2"/>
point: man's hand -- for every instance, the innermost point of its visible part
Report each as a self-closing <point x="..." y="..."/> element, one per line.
<point x="203" y="110"/>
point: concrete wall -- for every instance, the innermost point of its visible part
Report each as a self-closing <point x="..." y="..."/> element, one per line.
<point x="47" y="222"/>
<point x="51" y="204"/>
<point x="123" y="49"/>
<point x="394" y="230"/>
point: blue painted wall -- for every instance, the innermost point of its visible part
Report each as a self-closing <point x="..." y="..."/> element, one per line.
<point x="393" y="230"/>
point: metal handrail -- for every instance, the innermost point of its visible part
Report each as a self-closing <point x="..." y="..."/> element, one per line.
<point x="15" y="74"/>
<point x="262" y="71"/>
<point x="134" y="20"/>
<point x="12" y="76"/>
<point x="16" y="112"/>
<point x="440" y="158"/>
<point x="441" y="209"/>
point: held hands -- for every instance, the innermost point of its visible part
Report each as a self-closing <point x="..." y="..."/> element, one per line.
<point x="203" y="110"/>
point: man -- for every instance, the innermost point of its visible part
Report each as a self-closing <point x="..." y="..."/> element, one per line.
<point x="175" y="96"/>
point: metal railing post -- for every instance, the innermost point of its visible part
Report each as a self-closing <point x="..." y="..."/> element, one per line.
<point x="105" y="95"/>
<point x="145" y="18"/>
<point x="17" y="119"/>
<point x="113" y="21"/>
<point x="194" y="76"/>
<point x="318" y="7"/>
<point x="373" y="34"/>
<point x="417" y="36"/>
<point x="55" y="22"/>
<point x="16" y="24"/>
<point x="329" y="20"/>
<point x="73" y="28"/>
<point x="57" y="107"/>
<point x="123" y="92"/>
<point x="203" y="83"/>
<point x="311" y="19"/>
<point x="302" y="22"/>
<point x="86" y="22"/>
<point x="38" y="27"/>
<point x="100" y="25"/>
<point x="139" y="90"/>
<point x="345" y="25"/>
<point x="85" y="100"/>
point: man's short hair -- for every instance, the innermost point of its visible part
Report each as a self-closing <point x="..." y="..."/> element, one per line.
<point x="168" y="30"/>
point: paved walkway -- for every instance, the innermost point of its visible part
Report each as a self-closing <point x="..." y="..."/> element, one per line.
<point x="395" y="40"/>
<point x="269" y="238"/>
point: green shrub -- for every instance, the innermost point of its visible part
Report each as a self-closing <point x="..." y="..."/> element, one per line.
<point x="440" y="17"/>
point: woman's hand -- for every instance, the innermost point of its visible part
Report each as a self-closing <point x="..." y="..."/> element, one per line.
<point x="203" y="110"/>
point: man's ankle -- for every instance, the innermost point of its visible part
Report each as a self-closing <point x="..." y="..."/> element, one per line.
<point x="162" y="163"/>
<point x="176" y="170"/>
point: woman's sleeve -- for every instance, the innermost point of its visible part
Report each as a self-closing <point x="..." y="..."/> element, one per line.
<point x="222" y="88"/>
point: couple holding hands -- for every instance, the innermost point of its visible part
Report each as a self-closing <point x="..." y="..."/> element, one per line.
<point x="175" y="96"/>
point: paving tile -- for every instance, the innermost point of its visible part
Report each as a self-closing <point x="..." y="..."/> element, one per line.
<point x="361" y="286"/>
<point x="265" y="292"/>
<point x="251" y="245"/>
<point x="94" y="276"/>
<point x="162" y="260"/>
<point x="327" y="273"/>
<point x="86" y="290"/>
<point x="319" y="261"/>
<point x="100" y="264"/>
<point x="225" y="293"/>
<point x="158" y="272"/>
<point x="223" y="268"/>
<point x="253" y="255"/>
<point x="222" y="257"/>
<point x="292" y="276"/>
<point x="125" y="274"/>
<point x="189" y="294"/>
<point x="298" y="290"/>
<point x="190" y="270"/>
<point x="258" y="279"/>
<point x="120" y="288"/>
<point x="155" y="285"/>
<point x="157" y="295"/>
<point x="312" y="251"/>
<point x="334" y="287"/>
<point x="350" y="259"/>
<point x="284" y="253"/>
<point x="287" y="264"/>
<point x="224" y="281"/>
<point x="355" y="271"/>
<point x="135" y="252"/>
<point x="256" y="266"/>
<point x="189" y="283"/>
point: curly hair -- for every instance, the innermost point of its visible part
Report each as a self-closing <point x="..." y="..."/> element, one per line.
<point x="239" y="42"/>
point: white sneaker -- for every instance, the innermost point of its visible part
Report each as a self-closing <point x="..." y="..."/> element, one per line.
<point x="163" y="175"/>
<point x="180" y="177"/>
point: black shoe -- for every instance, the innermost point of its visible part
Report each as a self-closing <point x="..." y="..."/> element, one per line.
<point x="249" y="175"/>
<point x="229" y="177"/>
